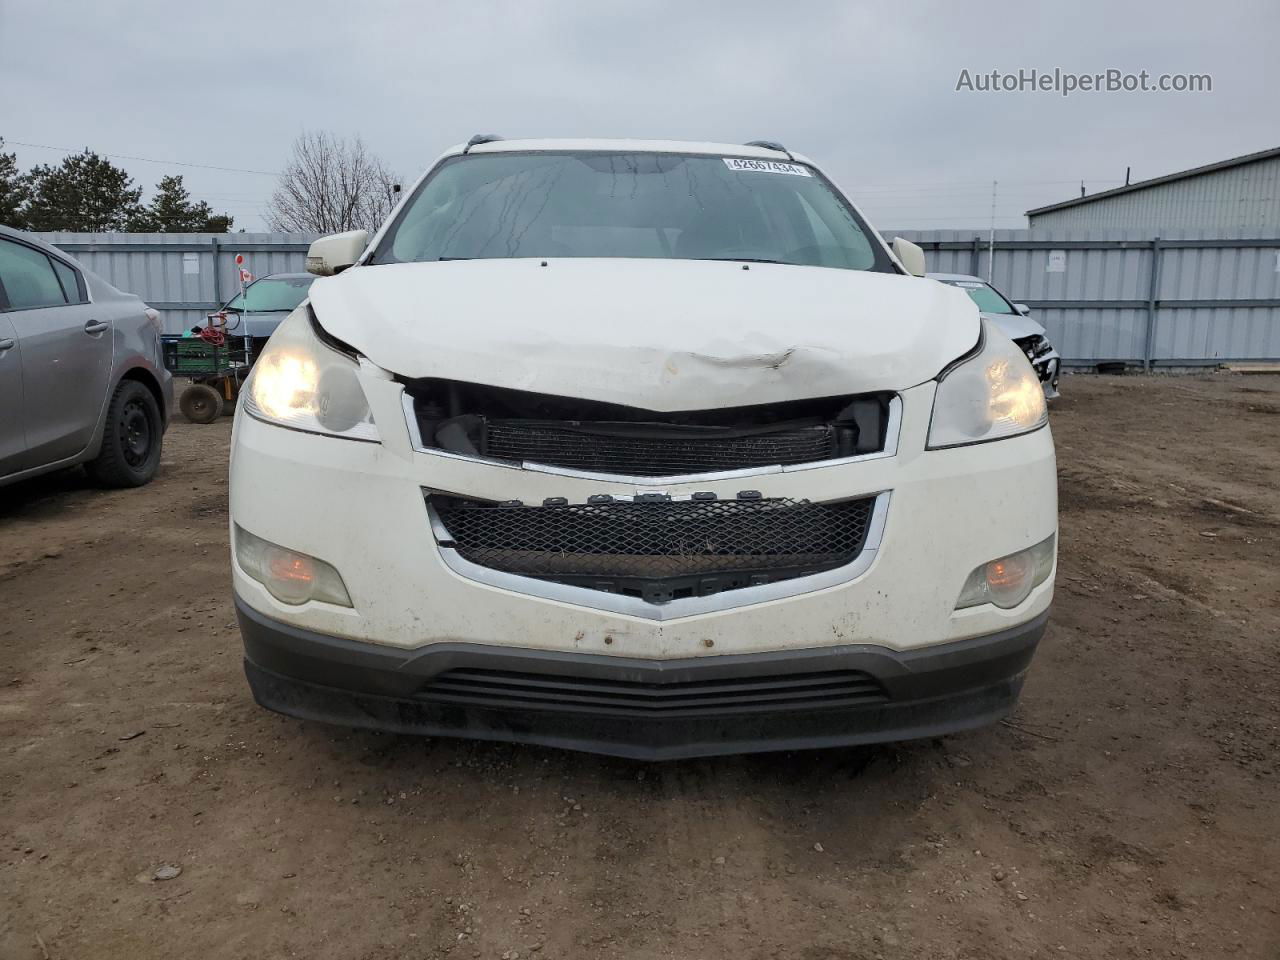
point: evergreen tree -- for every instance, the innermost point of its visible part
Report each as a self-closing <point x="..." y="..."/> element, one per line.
<point x="172" y="211"/>
<point x="13" y="190"/>
<point x="86" y="193"/>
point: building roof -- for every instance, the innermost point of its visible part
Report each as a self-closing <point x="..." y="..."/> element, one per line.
<point x="1167" y="178"/>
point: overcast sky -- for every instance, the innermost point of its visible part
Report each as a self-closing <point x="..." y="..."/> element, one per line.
<point x="868" y="90"/>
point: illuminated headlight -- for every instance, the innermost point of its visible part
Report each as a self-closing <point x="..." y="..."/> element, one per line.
<point x="289" y="576"/>
<point x="1008" y="581"/>
<point x="300" y="382"/>
<point x="992" y="395"/>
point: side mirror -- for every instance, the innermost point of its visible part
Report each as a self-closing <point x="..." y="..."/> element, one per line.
<point x="1023" y="309"/>
<point x="333" y="254"/>
<point x="909" y="255"/>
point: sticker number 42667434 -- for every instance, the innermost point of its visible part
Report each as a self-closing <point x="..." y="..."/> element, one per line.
<point x="766" y="166"/>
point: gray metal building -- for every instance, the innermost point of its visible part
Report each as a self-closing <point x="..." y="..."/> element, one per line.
<point x="1241" y="194"/>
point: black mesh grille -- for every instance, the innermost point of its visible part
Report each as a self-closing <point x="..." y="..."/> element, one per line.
<point x="801" y="691"/>
<point x="735" y="543"/>
<point x="654" y="456"/>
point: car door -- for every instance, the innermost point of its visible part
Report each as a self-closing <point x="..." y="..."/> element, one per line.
<point x="13" y="438"/>
<point x="65" y="348"/>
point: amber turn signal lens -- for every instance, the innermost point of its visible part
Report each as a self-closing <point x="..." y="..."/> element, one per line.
<point x="1008" y="581"/>
<point x="1009" y="573"/>
<point x="290" y="567"/>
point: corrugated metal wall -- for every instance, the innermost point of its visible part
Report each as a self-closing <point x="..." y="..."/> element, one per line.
<point x="1216" y="295"/>
<point x="176" y="272"/>
<point x="1245" y="197"/>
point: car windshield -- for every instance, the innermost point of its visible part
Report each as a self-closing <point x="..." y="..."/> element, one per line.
<point x="987" y="298"/>
<point x="272" y="295"/>
<point x="656" y="205"/>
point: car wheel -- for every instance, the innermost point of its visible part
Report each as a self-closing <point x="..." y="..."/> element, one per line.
<point x="131" y="440"/>
<point x="200" y="403"/>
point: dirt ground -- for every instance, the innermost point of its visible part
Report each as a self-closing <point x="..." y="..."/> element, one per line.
<point x="1130" y="808"/>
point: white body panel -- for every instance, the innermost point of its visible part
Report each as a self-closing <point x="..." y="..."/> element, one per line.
<point x="658" y="334"/>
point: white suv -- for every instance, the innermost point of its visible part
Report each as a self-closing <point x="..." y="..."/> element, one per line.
<point x="647" y="448"/>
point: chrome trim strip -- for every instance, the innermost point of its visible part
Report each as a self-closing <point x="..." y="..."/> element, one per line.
<point x="893" y="430"/>
<point x="443" y="537"/>
<point x="616" y="497"/>
<point x="675" y="609"/>
<point x="411" y="420"/>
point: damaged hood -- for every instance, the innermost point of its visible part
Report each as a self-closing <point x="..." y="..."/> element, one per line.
<point x="664" y="335"/>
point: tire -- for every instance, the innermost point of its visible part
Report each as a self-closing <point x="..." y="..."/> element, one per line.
<point x="200" y="403"/>
<point x="131" y="439"/>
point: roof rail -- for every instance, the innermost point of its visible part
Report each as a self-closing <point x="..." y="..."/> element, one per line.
<point x="480" y="138"/>
<point x="770" y="145"/>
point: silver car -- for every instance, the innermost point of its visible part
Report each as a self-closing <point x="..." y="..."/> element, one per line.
<point x="81" y="375"/>
<point x="1014" y="319"/>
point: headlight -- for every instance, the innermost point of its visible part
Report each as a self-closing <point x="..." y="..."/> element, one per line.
<point x="289" y="576"/>
<point x="1008" y="581"/>
<point x="300" y="382"/>
<point x="992" y="395"/>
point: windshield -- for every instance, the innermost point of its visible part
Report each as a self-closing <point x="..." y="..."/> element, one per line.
<point x="987" y="298"/>
<point x="659" y="205"/>
<point x="270" y="295"/>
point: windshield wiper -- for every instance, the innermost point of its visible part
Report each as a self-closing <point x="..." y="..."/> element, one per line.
<point x="455" y="258"/>
<point x="739" y="259"/>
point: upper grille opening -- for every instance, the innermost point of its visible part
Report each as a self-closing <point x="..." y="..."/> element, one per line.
<point x="608" y="438"/>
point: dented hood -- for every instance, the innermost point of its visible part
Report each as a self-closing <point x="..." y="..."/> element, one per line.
<point x="658" y="334"/>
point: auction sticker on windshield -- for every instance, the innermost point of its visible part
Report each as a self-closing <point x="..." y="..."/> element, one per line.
<point x="766" y="166"/>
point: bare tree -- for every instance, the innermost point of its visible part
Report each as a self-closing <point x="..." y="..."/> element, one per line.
<point x="331" y="184"/>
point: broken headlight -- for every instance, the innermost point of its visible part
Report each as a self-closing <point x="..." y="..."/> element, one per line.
<point x="301" y="383"/>
<point x="991" y="395"/>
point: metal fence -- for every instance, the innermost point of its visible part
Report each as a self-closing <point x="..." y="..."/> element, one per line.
<point x="183" y="275"/>
<point x="1184" y="299"/>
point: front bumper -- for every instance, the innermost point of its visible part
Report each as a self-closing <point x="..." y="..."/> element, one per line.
<point x="360" y="507"/>
<point x="1046" y="361"/>
<point x="1049" y="370"/>
<point x="640" y="708"/>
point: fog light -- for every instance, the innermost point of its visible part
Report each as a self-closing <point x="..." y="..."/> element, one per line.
<point x="289" y="576"/>
<point x="1008" y="581"/>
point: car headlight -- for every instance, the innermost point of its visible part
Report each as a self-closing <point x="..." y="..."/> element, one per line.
<point x="302" y="383"/>
<point x="989" y="396"/>
<point x="1008" y="581"/>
